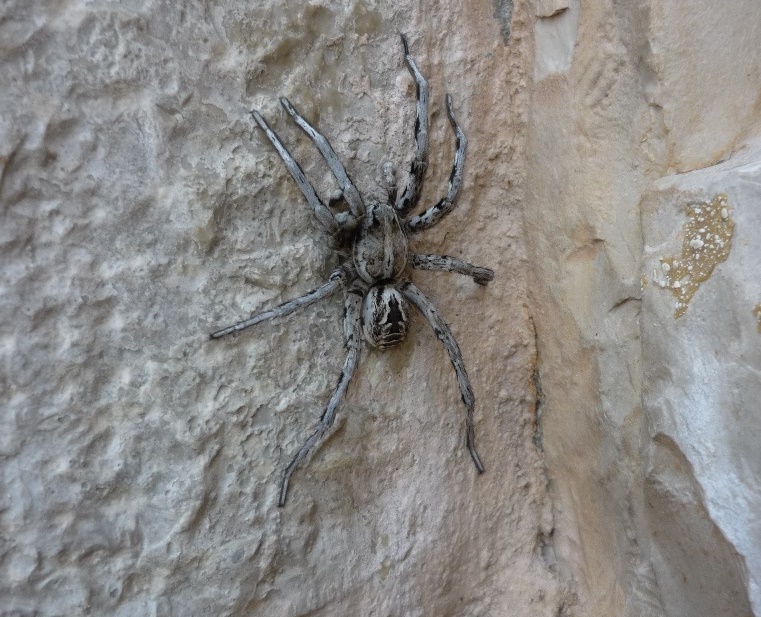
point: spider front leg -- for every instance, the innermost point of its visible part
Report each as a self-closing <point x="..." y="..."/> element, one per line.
<point x="321" y="211"/>
<point x="350" y="192"/>
<point x="353" y="334"/>
<point x="434" y="214"/>
<point x="445" y="263"/>
<point x="425" y="306"/>
<point x="411" y="193"/>
<point x="337" y="280"/>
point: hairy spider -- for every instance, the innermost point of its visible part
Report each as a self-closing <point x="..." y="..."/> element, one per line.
<point x="372" y="240"/>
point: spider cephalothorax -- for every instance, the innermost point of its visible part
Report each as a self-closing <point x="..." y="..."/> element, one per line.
<point x="376" y="232"/>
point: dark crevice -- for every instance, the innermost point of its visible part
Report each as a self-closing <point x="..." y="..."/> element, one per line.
<point x="503" y="12"/>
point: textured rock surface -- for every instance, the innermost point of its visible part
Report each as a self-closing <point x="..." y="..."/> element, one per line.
<point x="140" y="210"/>
<point x="649" y="428"/>
<point x="700" y="397"/>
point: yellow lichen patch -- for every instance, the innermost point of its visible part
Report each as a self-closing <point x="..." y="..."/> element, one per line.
<point x="707" y="240"/>
<point x="757" y="313"/>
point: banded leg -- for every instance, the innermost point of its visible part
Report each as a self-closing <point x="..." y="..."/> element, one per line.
<point x="321" y="211"/>
<point x="337" y="280"/>
<point x="353" y="334"/>
<point x="411" y="193"/>
<point x="425" y="306"/>
<point x="350" y="192"/>
<point x="434" y="214"/>
<point x="445" y="263"/>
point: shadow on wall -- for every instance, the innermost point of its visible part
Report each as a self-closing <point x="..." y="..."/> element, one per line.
<point x="699" y="571"/>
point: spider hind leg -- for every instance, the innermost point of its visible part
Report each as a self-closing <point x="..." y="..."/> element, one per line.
<point x="420" y="301"/>
<point x="353" y="334"/>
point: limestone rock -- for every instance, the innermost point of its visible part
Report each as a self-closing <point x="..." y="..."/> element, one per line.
<point x="701" y="392"/>
<point x="141" y="210"/>
<point x="627" y="96"/>
<point x="550" y="8"/>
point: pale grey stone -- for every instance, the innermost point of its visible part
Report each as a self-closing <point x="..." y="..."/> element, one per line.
<point x="549" y="8"/>
<point x="700" y="394"/>
<point x="654" y="505"/>
<point x="556" y="32"/>
<point x="141" y="210"/>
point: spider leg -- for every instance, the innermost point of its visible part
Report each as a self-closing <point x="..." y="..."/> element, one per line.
<point x="445" y="263"/>
<point x="425" y="306"/>
<point x="434" y="214"/>
<point x="353" y="334"/>
<point x="350" y="192"/>
<point x="337" y="280"/>
<point x="321" y="211"/>
<point x="411" y="193"/>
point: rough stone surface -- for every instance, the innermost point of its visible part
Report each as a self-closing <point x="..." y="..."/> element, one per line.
<point x="550" y="8"/>
<point x="708" y="66"/>
<point x="700" y="397"/>
<point x="141" y="210"/>
<point x="649" y="428"/>
<point x="140" y="462"/>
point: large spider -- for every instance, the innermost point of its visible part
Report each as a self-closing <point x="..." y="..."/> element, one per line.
<point x="371" y="238"/>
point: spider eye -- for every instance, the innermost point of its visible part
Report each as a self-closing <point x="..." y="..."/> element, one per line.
<point x="385" y="315"/>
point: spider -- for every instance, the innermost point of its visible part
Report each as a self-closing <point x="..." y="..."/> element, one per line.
<point x="371" y="236"/>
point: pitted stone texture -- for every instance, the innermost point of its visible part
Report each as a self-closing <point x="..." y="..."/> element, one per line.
<point x="141" y="210"/>
<point x="700" y="398"/>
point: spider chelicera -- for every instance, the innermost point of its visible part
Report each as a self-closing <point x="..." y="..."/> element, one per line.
<point x="371" y="237"/>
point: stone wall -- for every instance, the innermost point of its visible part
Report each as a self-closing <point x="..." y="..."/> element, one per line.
<point x="648" y="368"/>
<point x="141" y="209"/>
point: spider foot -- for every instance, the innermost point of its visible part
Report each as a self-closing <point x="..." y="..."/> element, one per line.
<point x="476" y="458"/>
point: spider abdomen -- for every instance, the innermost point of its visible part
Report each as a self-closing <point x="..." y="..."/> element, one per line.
<point x="385" y="316"/>
<point x="380" y="250"/>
